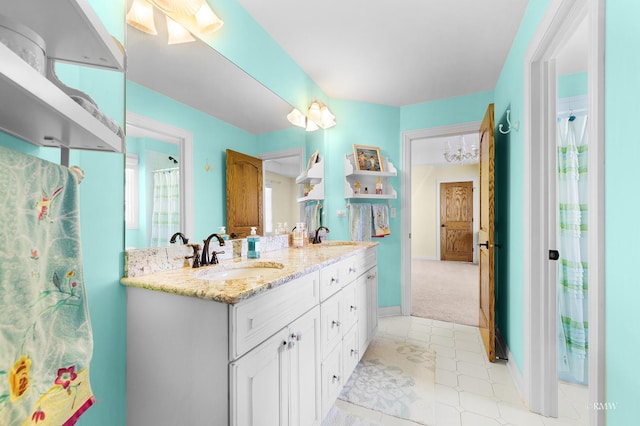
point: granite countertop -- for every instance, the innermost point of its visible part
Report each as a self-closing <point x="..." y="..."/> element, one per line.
<point x="289" y="263"/>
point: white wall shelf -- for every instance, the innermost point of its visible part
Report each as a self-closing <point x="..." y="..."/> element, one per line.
<point x="35" y="109"/>
<point x="71" y="30"/>
<point x="313" y="177"/>
<point x="39" y="112"/>
<point x="368" y="179"/>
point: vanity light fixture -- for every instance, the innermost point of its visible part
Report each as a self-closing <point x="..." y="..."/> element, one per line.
<point x="196" y="15"/>
<point x="318" y="116"/>
<point x="140" y="17"/>
<point x="177" y="33"/>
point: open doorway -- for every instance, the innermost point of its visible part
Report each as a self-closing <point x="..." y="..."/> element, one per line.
<point x="444" y="221"/>
<point x="544" y="226"/>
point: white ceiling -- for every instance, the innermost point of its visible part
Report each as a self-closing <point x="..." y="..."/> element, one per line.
<point x="394" y="52"/>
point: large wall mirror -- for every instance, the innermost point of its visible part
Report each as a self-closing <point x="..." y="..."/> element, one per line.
<point x="197" y="75"/>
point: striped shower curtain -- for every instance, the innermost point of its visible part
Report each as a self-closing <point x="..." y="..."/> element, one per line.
<point x="572" y="244"/>
<point x="165" y="219"/>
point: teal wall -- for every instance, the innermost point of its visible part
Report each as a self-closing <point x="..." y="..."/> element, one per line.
<point x="572" y="85"/>
<point x="509" y="94"/>
<point x="621" y="202"/>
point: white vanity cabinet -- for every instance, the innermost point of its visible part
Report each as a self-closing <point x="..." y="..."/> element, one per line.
<point x="278" y="383"/>
<point x="280" y="357"/>
<point x="349" y="304"/>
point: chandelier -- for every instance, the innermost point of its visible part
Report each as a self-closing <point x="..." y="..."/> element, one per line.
<point x="461" y="153"/>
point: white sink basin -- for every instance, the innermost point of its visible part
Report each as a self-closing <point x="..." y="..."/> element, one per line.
<point x="256" y="271"/>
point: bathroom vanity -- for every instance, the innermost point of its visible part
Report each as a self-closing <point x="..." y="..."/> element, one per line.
<point x="225" y="344"/>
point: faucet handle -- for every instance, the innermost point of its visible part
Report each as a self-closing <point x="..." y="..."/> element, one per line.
<point x="195" y="256"/>
<point x="214" y="256"/>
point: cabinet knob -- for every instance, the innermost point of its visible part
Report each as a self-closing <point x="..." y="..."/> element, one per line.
<point x="352" y="269"/>
<point x="354" y="352"/>
<point x="335" y="378"/>
<point x="371" y="276"/>
<point x="353" y="308"/>
<point x="297" y="336"/>
<point x="334" y="280"/>
<point x="336" y="323"/>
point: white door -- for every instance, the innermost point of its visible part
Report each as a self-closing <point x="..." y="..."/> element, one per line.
<point x="260" y="384"/>
<point x="304" y="354"/>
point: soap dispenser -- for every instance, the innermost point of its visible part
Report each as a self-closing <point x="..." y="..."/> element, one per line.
<point x="253" y="242"/>
<point x="223" y="233"/>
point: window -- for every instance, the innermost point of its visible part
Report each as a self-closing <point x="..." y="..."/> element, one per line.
<point x="131" y="192"/>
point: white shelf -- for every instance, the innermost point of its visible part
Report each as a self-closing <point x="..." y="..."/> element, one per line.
<point x="314" y="176"/>
<point x="368" y="179"/>
<point x="33" y="109"/>
<point x="71" y="30"/>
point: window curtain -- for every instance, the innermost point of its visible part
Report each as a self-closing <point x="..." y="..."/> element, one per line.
<point x="572" y="243"/>
<point x="165" y="219"/>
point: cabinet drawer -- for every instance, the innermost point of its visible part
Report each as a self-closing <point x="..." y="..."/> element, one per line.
<point x="332" y="379"/>
<point x="350" y="269"/>
<point x="367" y="260"/>
<point x="254" y="320"/>
<point x="329" y="280"/>
<point x="349" y="306"/>
<point x="350" y="353"/>
<point x="331" y="323"/>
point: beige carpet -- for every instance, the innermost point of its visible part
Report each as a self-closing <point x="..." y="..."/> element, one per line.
<point x="395" y="378"/>
<point x="445" y="291"/>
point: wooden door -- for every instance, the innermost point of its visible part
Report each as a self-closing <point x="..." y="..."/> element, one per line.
<point x="486" y="234"/>
<point x="456" y="221"/>
<point x="244" y="194"/>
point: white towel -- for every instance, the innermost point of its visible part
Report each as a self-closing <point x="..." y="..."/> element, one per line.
<point x="360" y="221"/>
<point x="380" y="220"/>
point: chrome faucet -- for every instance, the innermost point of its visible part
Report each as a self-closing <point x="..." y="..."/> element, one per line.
<point x="316" y="239"/>
<point x="205" y="251"/>
<point x="180" y="235"/>
<point x="196" y="255"/>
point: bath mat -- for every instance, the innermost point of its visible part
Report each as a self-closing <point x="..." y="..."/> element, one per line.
<point x="339" y="417"/>
<point x="396" y="378"/>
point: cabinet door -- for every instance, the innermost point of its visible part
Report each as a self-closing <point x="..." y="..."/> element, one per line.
<point x="372" y="302"/>
<point x="260" y="384"/>
<point x="331" y="326"/>
<point x="350" y="306"/>
<point x="363" y="313"/>
<point x="304" y="353"/>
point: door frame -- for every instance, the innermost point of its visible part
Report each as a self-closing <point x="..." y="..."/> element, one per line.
<point x="540" y="321"/>
<point x="138" y="125"/>
<point x="407" y="138"/>
<point x="476" y="213"/>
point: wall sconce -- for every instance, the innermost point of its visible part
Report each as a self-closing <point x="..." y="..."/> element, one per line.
<point x="318" y="116"/>
<point x="194" y="14"/>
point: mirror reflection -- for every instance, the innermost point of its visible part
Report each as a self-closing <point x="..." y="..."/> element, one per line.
<point x="197" y="75"/>
<point x="281" y="209"/>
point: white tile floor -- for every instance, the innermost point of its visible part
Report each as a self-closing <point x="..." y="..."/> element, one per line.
<point x="471" y="391"/>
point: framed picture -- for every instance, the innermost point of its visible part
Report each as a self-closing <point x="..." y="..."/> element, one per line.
<point x="312" y="160"/>
<point x="367" y="158"/>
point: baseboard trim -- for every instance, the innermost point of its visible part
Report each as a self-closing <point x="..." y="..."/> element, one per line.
<point x="389" y="311"/>
<point x="516" y="375"/>
<point x="425" y="258"/>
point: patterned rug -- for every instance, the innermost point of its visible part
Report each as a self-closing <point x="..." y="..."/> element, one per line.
<point x="396" y="378"/>
<point x="338" y="417"/>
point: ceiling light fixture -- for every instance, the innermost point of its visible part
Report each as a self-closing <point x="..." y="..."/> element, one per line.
<point x="187" y="16"/>
<point x="318" y="116"/>
<point x="461" y="154"/>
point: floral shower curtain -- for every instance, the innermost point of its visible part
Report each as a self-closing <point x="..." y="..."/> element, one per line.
<point x="572" y="244"/>
<point x="165" y="220"/>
